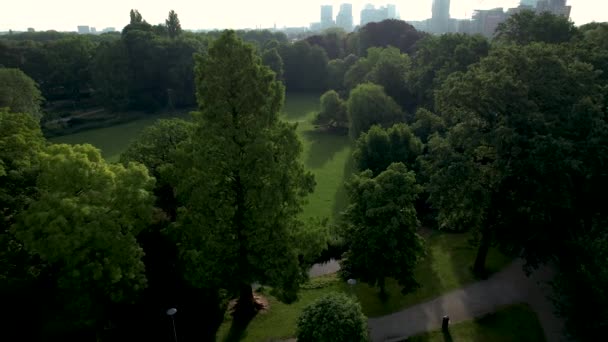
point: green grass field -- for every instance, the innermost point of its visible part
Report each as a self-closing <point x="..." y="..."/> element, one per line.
<point x="326" y="155"/>
<point x="445" y="268"/>
<point x="516" y="323"/>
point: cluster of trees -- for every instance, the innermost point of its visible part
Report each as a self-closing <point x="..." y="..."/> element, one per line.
<point x="508" y="140"/>
<point x="149" y="67"/>
<point x="505" y="138"/>
<point x="98" y="250"/>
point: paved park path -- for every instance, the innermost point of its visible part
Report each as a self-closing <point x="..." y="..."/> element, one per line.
<point x="509" y="286"/>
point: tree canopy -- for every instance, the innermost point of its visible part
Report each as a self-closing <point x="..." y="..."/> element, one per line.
<point x="369" y="105"/>
<point x="19" y="93"/>
<point x="332" y="318"/>
<point x="381" y="228"/>
<point x="526" y="27"/>
<point x="83" y="223"/>
<point x="379" y="148"/>
<point x="240" y="179"/>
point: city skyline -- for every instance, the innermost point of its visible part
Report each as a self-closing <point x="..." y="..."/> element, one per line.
<point x="238" y="14"/>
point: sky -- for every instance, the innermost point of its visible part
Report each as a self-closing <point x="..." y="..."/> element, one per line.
<point x="65" y="15"/>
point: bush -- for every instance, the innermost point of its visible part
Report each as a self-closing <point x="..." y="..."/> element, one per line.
<point x="335" y="317"/>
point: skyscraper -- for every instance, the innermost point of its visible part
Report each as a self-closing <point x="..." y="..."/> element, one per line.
<point x="327" y="16"/>
<point x="345" y="17"/>
<point x="441" y="16"/>
<point x="531" y="3"/>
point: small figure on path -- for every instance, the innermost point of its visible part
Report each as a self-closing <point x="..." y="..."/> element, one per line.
<point x="445" y="322"/>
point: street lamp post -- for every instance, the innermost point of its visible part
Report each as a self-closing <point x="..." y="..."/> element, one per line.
<point x="170" y="313"/>
<point x="352" y="282"/>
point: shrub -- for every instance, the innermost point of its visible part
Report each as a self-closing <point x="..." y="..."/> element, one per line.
<point x="332" y="318"/>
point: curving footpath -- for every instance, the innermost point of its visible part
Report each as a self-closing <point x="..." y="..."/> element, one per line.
<point x="509" y="286"/>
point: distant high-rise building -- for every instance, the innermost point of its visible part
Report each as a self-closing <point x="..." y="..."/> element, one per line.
<point x="441" y="16"/>
<point x="327" y="16"/>
<point x="531" y="3"/>
<point x="344" y="19"/>
<point x="93" y="30"/>
<point x="84" y="29"/>
<point x="30" y="29"/>
<point x="108" y="29"/>
<point x="370" y="14"/>
<point x="392" y="11"/>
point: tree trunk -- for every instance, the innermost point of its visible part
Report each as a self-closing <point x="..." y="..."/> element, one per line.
<point x="381" y="284"/>
<point x="245" y="306"/>
<point x="479" y="268"/>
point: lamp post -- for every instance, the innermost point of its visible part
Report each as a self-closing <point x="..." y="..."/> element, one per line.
<point x="352" y="282"/>
<point x="170" y="313"/>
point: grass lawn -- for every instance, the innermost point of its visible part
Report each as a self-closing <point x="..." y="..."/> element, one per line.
<point x="327" y="156"/>
<point x="445" y="268"/>
<point x="113" y="140"/>
<point x="516" y="323"/>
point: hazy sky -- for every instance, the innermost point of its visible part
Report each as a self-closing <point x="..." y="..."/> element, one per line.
<point x="65" y="15"/>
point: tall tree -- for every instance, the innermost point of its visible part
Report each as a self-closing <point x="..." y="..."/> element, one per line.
<point x="240" y="179"/>
<point x="379" y="148"/>
<point x="381" y="228"/>
<point x="273" y="60"/>
<point x="526" y="27"/>
<point x="174" y="28"/>
<point x="333" y="111"/>
<point x="83" y="223"/>
<point x="19" y="93"/>
<point x="528" y="148"/>
<point x="369" y="105"/>
<point x="437" y="57"/>
<point x="387" y="33"/>
<point x="136" y="17"/>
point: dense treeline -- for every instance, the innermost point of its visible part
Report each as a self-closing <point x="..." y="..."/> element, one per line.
<point x="504" y="138"/>
<point x="149" y="67"/>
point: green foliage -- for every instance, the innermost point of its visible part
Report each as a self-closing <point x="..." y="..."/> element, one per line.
<point x="83" y="223"/>
<point x="387" y="33"/>
<point x="386" y="67"/>
<point x="240" y="178"/>
<point x="336" y="68"/>
<point x="379" y="148"/>
<point x="334" y="317"/>
<point x="526" y="27"/>
<point x="369" y="105"/>
<point x="305" y="66"/>
<point x="333" y="111"/>
<point x="69" y="62"/>
<point x="534" y="130"/>
<point x="273" y="60"/>
<point x="20" y="142"/>
<point x="154" y="146"/>
<point x="437" y="57"/>
<point x="426" y="124"/>
<point x="19" y="93"/>
<point x="381" y="228"/>
<point x="174" y="28"/>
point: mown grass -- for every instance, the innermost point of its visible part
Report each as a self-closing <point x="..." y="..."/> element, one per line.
<point x="325" y="155"/>
<point x="517" y="323"/>
<point x="113" y="140"/>
<point x="445" y="268"/>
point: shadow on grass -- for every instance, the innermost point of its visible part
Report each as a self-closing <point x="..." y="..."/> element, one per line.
<point x="447" y="337"/>
<point x="237" y="328"/>
<point x="374" y="305"/>
<point x="341" y="197"/>
<point x="323" y="147"/>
